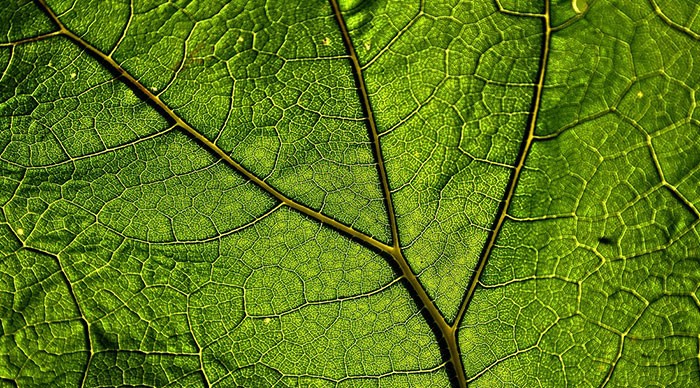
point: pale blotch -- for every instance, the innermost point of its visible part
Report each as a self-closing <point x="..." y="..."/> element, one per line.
<point x="367" y="45"/>
<point x="267" y="320"/>
<point x="240" y="39"/>
<point x="326" y="41"/>
<point x="153" y="89"/>
<point x="579" y="6"/>
<point x="20" y="232"/>
<point x="73" y="75"/>
<point x="640" y="94"/>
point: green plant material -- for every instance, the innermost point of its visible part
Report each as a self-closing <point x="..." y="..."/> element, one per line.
<point x="357" y="193"/>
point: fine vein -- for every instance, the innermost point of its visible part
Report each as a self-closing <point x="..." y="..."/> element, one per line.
<point x="112" y="65"/>
<point x="447" y="331"/>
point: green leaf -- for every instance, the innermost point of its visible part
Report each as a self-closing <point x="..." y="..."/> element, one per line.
<point x="349" y="193"/>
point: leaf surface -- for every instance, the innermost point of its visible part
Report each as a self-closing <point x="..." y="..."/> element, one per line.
<point x="349" y="193"/>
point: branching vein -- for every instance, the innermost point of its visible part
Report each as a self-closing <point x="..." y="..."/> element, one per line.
<point x="135" y="84"/>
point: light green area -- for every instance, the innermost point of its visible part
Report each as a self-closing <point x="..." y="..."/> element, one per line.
<point x="265" y="84"/>
<point x="521" y="6"/>
<point x="451" y="91"/>
<point x="132" y="255"/>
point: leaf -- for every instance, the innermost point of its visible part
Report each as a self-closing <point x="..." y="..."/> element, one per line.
<point x="354" y="193"/>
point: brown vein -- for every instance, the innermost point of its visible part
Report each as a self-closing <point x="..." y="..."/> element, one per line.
<point x="30" y="39"/>
<point x="447" y="332"/>
<point x="512" y="183"/>
<point x="128" y="79"/>
<point x="362" y="91"/>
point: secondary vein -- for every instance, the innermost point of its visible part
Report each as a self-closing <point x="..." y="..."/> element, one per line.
<point x="515" y="175"/>
<point x="128" y="79"/>
<point x="414" y="285"/>
<point x="371" y="122"/>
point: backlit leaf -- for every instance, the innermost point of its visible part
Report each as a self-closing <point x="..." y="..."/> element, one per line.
<point x="380" y="193"/>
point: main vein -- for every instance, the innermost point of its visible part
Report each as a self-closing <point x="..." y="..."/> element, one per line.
<point x="112" y="65"/>
<point x="513" y="182"/>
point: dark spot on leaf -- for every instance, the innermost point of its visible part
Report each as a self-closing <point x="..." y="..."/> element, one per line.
<point x="605" y="240"/>
<point x="102" y="339"/>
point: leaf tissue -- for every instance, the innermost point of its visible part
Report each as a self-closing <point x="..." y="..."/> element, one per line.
<point x="349" y="193"/>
